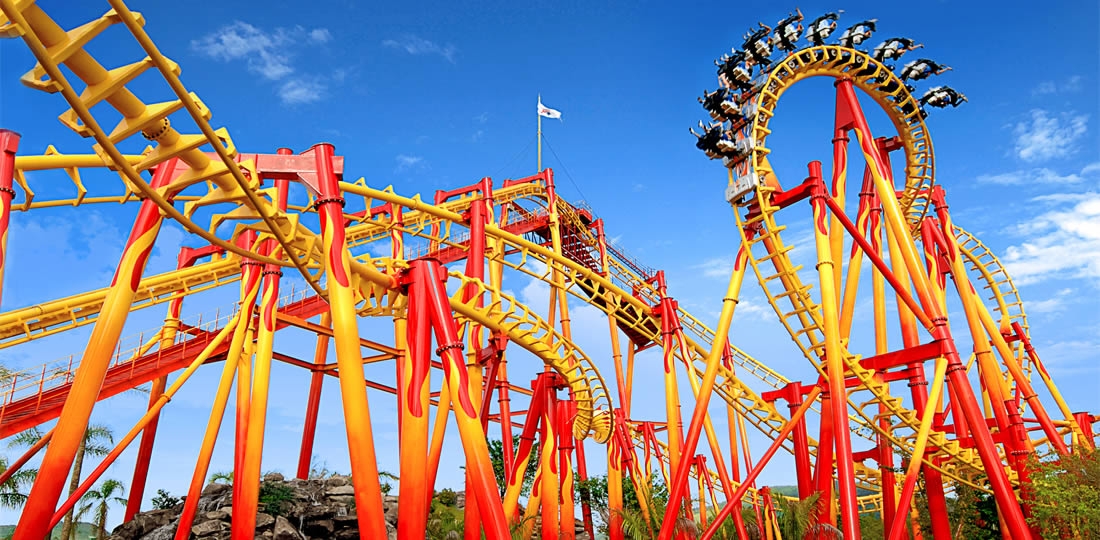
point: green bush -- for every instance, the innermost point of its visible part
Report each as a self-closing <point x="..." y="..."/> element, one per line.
<point x="447" y="497"/>
<point x="275" y="496"/>
<point x="444" y="521"/>
<point x="164" y="500"/>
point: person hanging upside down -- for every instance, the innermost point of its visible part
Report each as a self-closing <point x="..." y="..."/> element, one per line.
<point x="716" y="142"/>
<point x="821" y="28"/>
<point x="756" y="45"/>
<point x="735" y="71"/>
<point x="722" y="105"/>
<point x="857" y="33"/>
<point x="788" y="31"/>
<point x="921" y="69"/>
<point x="893" y="48"/>
<point x="942" y="96"/>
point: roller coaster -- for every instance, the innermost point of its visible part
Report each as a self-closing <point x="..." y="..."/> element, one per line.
<point x="422" y="265"/>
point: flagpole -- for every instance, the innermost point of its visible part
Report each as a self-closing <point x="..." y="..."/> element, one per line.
<point x="539" y="115"/>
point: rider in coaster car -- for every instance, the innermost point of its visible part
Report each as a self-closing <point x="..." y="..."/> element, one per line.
<point x="715" y="142"/>
<point x="756" y="45"/>
<point x="821" y="28"/>
<point x="787" y="32"/>
<point x="722" y="105"/>
<point x="921" y="69"/>
<point x="893" y="48"/>
<point x="857" y="33"/>
<point x="942" y="96"/>
<point x="735" y="71"/>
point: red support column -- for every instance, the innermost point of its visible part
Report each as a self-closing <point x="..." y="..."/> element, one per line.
<point x="246" y="240"/>
<point x="567" y="409"/>
<point x="9" y="144"/>
<point x="823" y="469"/>
<point x="886" y="468"/>
<point x="734" y="503"/>
<point x="413" y="408"/>
<point x="1084" y="420"/>
<point x="478" y="217"/>
<point x="427" y="278"/>
<point x="73" y="421"/>
<point x="1018" y="449"/>
<point x="186" y="259"/>
<point x="313" y="404"/>
<point x="792" y="393"/>
<point x="582" y="475"/>
<point x="316" y="382"/>
<point x="345" y="327"/>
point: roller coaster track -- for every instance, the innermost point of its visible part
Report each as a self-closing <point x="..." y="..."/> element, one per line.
<point x="519" y="323"/>
<point x="766" y="248"/>
<point x="525" y="243"/>
<point x="633" y="316"/>
<point x="763" y="415"/>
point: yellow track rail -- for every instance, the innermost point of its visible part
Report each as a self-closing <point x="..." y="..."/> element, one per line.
<point x="873" y="78"/>
<point x="779" y="277"/>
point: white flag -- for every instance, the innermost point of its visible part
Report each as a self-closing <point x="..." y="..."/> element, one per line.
<point x="548" y="112"/>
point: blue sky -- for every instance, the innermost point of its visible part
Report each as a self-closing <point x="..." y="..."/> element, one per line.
<point x="431" y="97"/>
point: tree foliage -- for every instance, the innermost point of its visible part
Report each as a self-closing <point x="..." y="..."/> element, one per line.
<point x="98" y="502"/>
<point x="798" y="518"/>
<point x="447" y="497"/>
<point x="222" y="477"/>
<point x="164" y="500"/>
<point x="274" y="497"/>
<point x="1066" y="494"/>
<point x="12" y="493"/>
<point x="496" y="454"/>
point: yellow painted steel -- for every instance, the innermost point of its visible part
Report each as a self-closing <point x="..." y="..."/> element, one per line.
<point x="804" y="322"/>
<point x="234" y="184"/>
<point x="564" y="276"/>
<point x="901" y="107"/>
<point x="52" y="47"/>
<point x="921" y="442"/>
<point x="25" y="324"/>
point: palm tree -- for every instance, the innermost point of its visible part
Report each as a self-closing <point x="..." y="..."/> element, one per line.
<point x="799" y="519"/>
<point x="637" y="527"/>
<point x="222" y="477"/>
<point x="728" y="529"/>
<point x="386" y="486"/>
<point x="99" y="501"/>
<point x="11" y="492"/>
<point x="91" y="445"/>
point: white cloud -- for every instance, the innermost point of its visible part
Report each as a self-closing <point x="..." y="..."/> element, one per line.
<point x="417" y="46"/>
<point x="1053" y="304"/>
<point x="1071" y="84"/>
<point x="1063" y="242"/>
<point x="82" y="255"/>
<point x="1039" y="176"/>
<point x="482" y="118"/>
<point x="320" y="35"/>
<point x="1045" y="87"/>
<point x="715" y="267"/>
<point x="1045" y="137"/>
<point x="406" y="162"/>
<point x="754" y="309"/>
<point x="295" y="91"/>
<point x="268" y="54"/>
